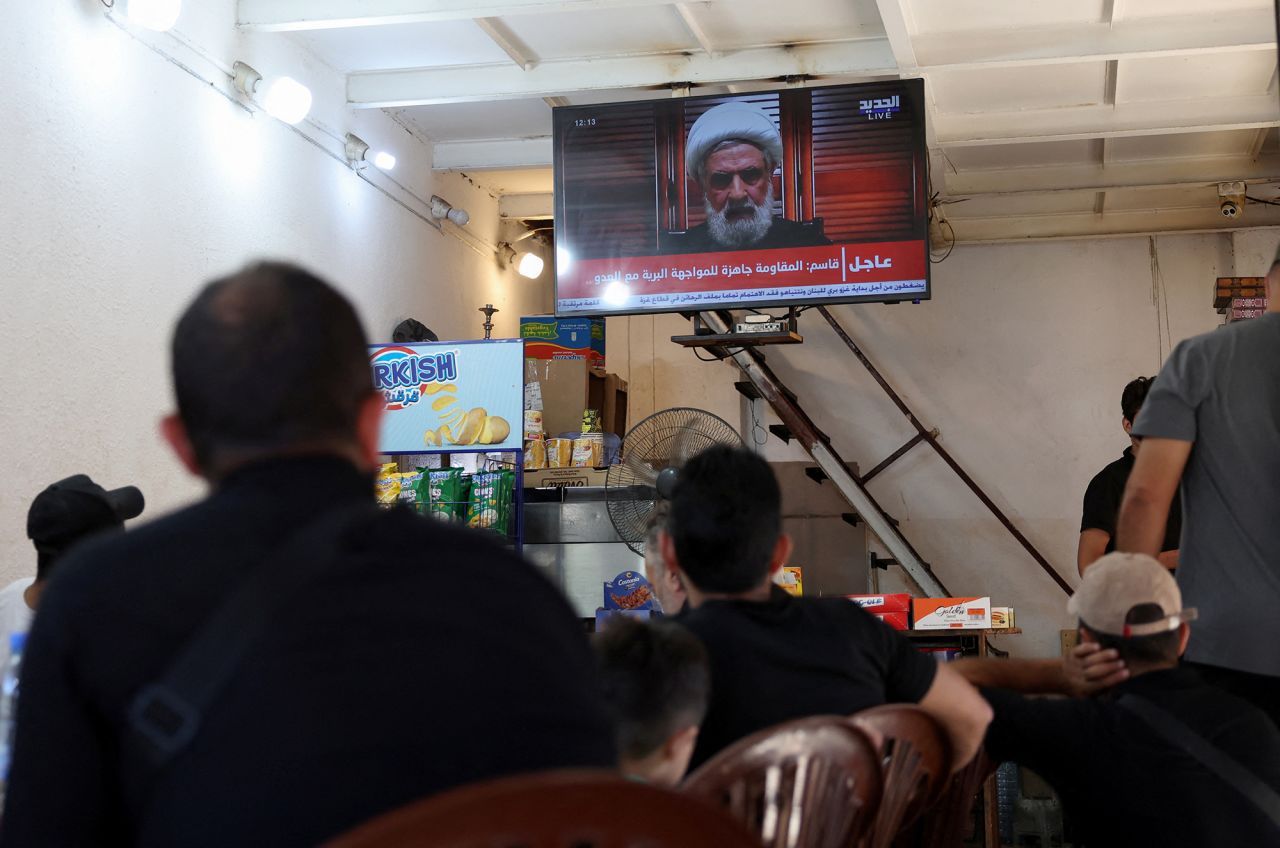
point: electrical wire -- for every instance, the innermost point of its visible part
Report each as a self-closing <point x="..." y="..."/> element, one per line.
<point x="1260" y="200"/>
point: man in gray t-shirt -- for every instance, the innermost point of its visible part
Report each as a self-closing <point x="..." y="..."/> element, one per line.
<point x="1212" y="420"/>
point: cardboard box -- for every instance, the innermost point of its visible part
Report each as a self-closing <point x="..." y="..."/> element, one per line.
<point x="791" y="579"/>
<point x="548" y="337"/>
<point x="559" y="478"/>
<point x="951" y="613"/>
<point x="896" y="620"/>
<point x="878" y="604"/>
<point x="1002" y="618"/>
<point x="569" y="387"/>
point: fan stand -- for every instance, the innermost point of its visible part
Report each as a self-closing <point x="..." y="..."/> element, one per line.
<point x="744" y="335"/>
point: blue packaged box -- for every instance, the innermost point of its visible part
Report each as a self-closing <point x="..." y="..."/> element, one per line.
<point x="628" y="591"/>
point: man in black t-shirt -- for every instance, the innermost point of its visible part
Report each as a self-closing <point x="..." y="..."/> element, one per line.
<point x="1106" y="489"/>
<point x="1125" y="763"/>
<point x="775" y="657"/>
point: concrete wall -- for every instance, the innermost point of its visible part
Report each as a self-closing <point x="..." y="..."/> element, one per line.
<point x="1019" y="360"/>
<point x="128" y="182"/>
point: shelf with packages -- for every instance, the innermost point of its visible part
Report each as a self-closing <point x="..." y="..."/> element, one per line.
<point x="482" y="489"/>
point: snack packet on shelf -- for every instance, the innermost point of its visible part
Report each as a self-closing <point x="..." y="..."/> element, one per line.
<point x="386" y="486"/>
<point x="408" y="487"/>
<point x="591" y="421"/>
<point x="559" y="453"/>
<point x="533" y="426"/>
<point x="490" y="501"/>
<point x="444" y="494"/>
<point x="588" y="451"/>
<point x="535" y="454"/>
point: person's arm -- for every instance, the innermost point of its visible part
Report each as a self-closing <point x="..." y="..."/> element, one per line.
<point x="963" y="713"/>
<point x="1145" y="507"/>
<point x="1093" y="544"/>
<point x="1084" y="671"/>
<point x="1169" y="559"/>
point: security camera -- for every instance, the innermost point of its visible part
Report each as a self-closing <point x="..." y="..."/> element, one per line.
<point x="1231" y="199"/>
<point x="1229" y="209"/>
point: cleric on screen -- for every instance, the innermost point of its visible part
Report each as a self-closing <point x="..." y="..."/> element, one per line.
<point x="731" y="152"/>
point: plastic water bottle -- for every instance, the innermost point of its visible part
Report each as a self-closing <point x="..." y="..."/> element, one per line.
<point x="9" y="704"/>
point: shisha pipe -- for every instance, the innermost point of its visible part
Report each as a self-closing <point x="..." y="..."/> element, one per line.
<point x="488" y="309"/>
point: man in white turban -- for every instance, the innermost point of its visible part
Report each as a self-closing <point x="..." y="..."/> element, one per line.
<point x="731" y="152"/>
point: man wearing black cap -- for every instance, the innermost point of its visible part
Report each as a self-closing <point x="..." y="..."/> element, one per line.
<point x="1160" y="758"/>
<point x="65" y="513"/>
<point x="283" y="661"/>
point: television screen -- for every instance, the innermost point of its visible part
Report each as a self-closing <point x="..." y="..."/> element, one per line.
<point x="790" y="197"/>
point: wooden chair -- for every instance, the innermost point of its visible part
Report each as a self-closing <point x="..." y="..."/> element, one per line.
<point x="812" y="783"/>
<point x="915" y="760"/>
<point x="942" y="825"/>
<point x="558" y="809"/>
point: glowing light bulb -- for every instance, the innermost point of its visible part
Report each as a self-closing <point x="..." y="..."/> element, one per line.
<point x="530" y="265"/>
<point x="384" y="160"/>
<point x="159" y="15"/>
<point x="616" y="293"/>
<point x="287" y="100"/>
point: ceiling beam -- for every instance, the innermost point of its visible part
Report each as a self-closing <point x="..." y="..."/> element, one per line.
<point x="298" y="15"/>
<point x="1113" y="223"/>
<point x="528" y="207"/>
<point x="489" y="154"/>
<point x="1252" y="29"/>
<point x="1157" y="173"/>
<point x="695" y="29"/>
<point x="869" y="57"/>
<point x="898" y="28"/>
<point x="1159" y="117"/>
<point x="507" y="41"/>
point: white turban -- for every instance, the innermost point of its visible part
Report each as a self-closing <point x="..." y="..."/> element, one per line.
<point x="733" y="120"/>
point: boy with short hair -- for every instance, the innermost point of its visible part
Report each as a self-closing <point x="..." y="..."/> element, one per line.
<point x="656" y="684"/>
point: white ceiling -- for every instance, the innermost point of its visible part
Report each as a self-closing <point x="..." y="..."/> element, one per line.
<point x="1064" y="112"/>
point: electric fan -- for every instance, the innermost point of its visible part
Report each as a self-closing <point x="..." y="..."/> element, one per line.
<point x="653" y="453"/>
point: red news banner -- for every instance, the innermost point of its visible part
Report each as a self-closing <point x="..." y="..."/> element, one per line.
<point x="697" y="280"/>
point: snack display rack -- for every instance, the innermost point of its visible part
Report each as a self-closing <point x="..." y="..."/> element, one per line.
<point x="512" y="533"/>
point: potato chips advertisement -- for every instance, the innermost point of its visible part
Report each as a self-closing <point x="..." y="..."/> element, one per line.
<point x="450" y="396"/>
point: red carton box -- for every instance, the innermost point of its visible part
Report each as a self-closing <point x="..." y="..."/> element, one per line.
<point x="896" y="620"/>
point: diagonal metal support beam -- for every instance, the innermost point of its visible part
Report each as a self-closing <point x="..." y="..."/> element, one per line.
<point x="802" y="428"/>
<point x="930" y="437"/>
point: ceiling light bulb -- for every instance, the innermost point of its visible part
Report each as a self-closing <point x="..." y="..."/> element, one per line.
<point x="384" y="160"/>
<point x="530" y="265"/>
<point x="616" y="293"/>
<point x="287" y="100"/>
<point x="159" y="15"/>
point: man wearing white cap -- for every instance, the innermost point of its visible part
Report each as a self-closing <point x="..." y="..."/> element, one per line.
<point x="1160" y="758"/>
<point x="731" y="153"/>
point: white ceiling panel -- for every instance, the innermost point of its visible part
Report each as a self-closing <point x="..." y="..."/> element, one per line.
<point x="602" y="32"/>
<point x="999" y="156"/>
<point x="1162" y="198"/>
<point x="1158" y="8"/>
<point x="515" y="181"/>
<point x="407" y="46"/>
<point x="960" y="15"/>
<point x="1180" y="145"/>
<point x="489" y="119"/>
<point x="1196" y="76"/>
<point x="742" y="23"/>
<point x="1008" y="89"/>
<point x="1018" y="205"/>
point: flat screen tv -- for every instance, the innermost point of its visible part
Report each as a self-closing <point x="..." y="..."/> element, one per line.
<point x="777" y="198"/>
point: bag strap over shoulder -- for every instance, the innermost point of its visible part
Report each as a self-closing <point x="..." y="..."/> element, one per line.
<point x="1174" y="731"/>
<point x="165" y="715"/>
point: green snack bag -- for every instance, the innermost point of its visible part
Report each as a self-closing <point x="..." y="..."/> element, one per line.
<point x="483" y="503"/>
<point x="444" y="493"/>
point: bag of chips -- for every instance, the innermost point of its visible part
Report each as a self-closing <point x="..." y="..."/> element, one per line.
<point x="444" y="499"/>
<point x="492" y="493"/>
<point x="387" y="485"/>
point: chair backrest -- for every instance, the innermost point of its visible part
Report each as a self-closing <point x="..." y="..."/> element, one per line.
<point x="916" y="760"/>
<point x="942" y="825"/>
<point x="557" y="809"/>
<point x="811" y="783"/>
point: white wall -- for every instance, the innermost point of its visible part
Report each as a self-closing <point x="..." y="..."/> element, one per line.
<point x="1019" y="360"/>
<point x="128" y="182"/>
